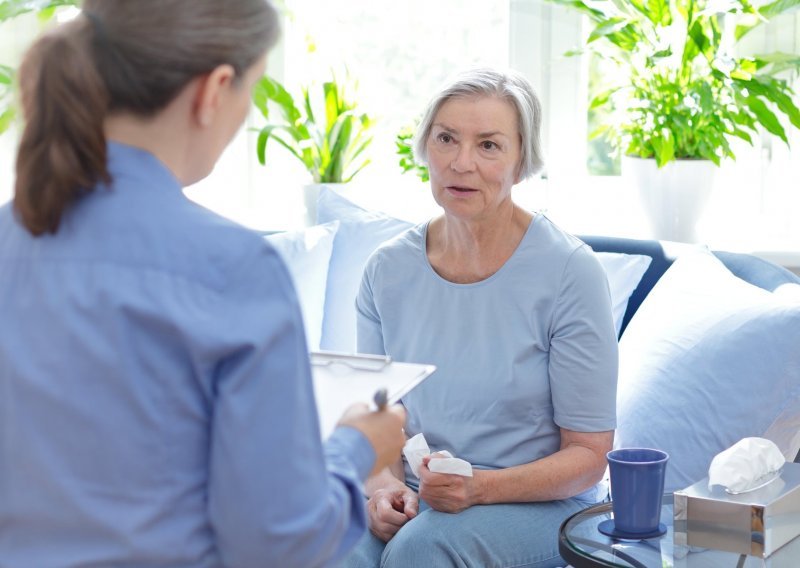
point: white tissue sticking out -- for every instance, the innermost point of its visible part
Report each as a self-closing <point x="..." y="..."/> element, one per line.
<point x="417" y="447"/>
<point x="414" y="450"/>
<point x="748" y="464"/>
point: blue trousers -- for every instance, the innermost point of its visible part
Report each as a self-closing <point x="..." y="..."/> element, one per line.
<point x="484" y="536"/>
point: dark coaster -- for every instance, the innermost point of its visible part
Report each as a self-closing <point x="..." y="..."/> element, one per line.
<point x="607" y="528"/>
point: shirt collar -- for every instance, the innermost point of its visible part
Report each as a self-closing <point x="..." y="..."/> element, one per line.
<point x="131" y="163"/>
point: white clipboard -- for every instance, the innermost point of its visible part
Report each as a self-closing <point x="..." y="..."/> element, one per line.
<point x="341" y="379"/>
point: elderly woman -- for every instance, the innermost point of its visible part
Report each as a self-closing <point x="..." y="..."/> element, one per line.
<point x="516" y="315"/>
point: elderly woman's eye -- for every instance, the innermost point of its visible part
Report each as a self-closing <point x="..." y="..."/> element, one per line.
<point x="489" y="145"/>
<point x="444" y="137"/>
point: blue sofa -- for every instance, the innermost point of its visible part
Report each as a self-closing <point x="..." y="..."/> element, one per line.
<point x="712" y="406"/>
<point x="750" y="268"/>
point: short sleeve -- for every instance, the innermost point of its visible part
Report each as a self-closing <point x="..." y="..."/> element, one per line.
<point x="583" y="362"/>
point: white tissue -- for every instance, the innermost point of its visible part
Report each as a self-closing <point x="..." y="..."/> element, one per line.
<point x="414" y="450"/>
<point x="748" y="464"/>
<point x="450" y="464"/>
<point x="417" y="447"/>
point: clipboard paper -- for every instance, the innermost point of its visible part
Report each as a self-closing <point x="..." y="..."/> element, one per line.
<point x="341" y="379"/>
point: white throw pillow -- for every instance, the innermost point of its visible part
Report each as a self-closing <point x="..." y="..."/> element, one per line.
<point x="624" y="271"/>
<point x="708" y="359"/>
<point x="307" y="254"/>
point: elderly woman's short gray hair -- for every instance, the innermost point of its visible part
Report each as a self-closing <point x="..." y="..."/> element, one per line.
<point x="507" y="85"/>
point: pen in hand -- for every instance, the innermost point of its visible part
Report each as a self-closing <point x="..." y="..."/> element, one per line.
<point x="381" y="398"/>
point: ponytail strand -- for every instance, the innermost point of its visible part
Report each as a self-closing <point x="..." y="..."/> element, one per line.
<point x="62" y="151"/>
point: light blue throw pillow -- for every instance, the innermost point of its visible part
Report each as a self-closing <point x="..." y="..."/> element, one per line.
<point x="707" y="360"/>
<point x="307" y="254"/>
<point x="360" y="233"/>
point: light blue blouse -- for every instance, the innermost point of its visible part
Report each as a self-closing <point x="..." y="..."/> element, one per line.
<point x="155" y="395"/>
<point x="527" y="351"/>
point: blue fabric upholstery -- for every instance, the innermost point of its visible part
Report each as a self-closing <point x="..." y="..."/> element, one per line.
<point x="752" y="269"/>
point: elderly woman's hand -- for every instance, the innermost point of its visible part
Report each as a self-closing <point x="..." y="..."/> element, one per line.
<point x="389" y="509"/>
<point x="446" y="492"/>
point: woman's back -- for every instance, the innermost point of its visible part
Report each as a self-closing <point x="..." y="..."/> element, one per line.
<point x="156" y="406"/>
<point x="128" y="310"/>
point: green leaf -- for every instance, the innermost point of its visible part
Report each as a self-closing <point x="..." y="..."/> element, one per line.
<point x="657" y="11"/>
<point x="778" y="7"/>
<point x="6" y="119"/>
<point x="331" y="105"/>
<point x="582" y="7"/>
<point x="13" y="8"/>
<point x="260" y="96"/>
<point x="601" y="130"/>
<point x="700" y="42"/>
<point x="268" y="133"/>
<point x="743" y="134"/>
<point x="775" y="91"/>
<point x="276" y="92"/>
<point x="364" y="164"/>
<point x="6" y="75"/>
<point x="339" y="140"/>
<point x="601" y="99"/>
<point x="606" y="28"/>
<point x="778" y="62"/>
<point x="755" y="18"/>
<point x="664" y="147"/>
<point x="766" y="117"/>
<point x="308" y="106"/>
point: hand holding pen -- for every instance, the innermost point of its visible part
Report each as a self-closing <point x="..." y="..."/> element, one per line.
<point x="383" y="428"/>
<point x="381" y="398"/>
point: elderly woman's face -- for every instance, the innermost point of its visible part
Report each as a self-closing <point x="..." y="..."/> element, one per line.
<point x="474" y="155"/>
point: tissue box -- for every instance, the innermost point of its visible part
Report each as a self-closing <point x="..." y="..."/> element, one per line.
<point x="757" y="523"/>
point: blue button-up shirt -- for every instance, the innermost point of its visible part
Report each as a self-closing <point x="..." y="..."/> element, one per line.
<point x="156" y="406"/>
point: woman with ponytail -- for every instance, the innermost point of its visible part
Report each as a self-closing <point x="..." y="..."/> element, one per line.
<point x="156" y="406"/>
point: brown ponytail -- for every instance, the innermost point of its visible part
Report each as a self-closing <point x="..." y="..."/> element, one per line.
<point x="62" y="152"/>
<point x="119" y="56"/>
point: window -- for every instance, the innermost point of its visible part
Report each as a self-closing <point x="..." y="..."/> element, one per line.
<point x="400" y="53"/>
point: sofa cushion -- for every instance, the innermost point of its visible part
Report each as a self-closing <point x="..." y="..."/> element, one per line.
<point x="360" y="233"/>
<point x="623" y="271"/>
<point x="755" y="270"/>
<point x="307" y="254"/>
<point x="708" y="359"/>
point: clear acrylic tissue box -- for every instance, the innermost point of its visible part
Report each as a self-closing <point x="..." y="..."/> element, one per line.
<point x="757" y="522"/>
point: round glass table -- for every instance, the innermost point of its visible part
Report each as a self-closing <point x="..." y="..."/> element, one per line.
<point x="582" y="545"/>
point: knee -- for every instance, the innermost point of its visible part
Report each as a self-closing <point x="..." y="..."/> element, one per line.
<point x="366" y="554"/>
<point x="421" y="543"/>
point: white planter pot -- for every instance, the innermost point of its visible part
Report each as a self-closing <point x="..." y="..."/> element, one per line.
<point x="310" y="196"/>
<point x="673" y="197"/>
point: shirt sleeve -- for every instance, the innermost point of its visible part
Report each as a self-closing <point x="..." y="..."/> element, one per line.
<point x="583" y="348"/>
<point x="369" y="334"/>
<point x="277" y="496"/>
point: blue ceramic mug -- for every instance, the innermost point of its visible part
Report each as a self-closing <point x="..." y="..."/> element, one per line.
<point x="637" y="484"/>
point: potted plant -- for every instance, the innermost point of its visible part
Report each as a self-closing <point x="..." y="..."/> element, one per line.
<point x="404" y="144"/>
<point x="328" y="136"/>
<point x="679" y="94"/>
